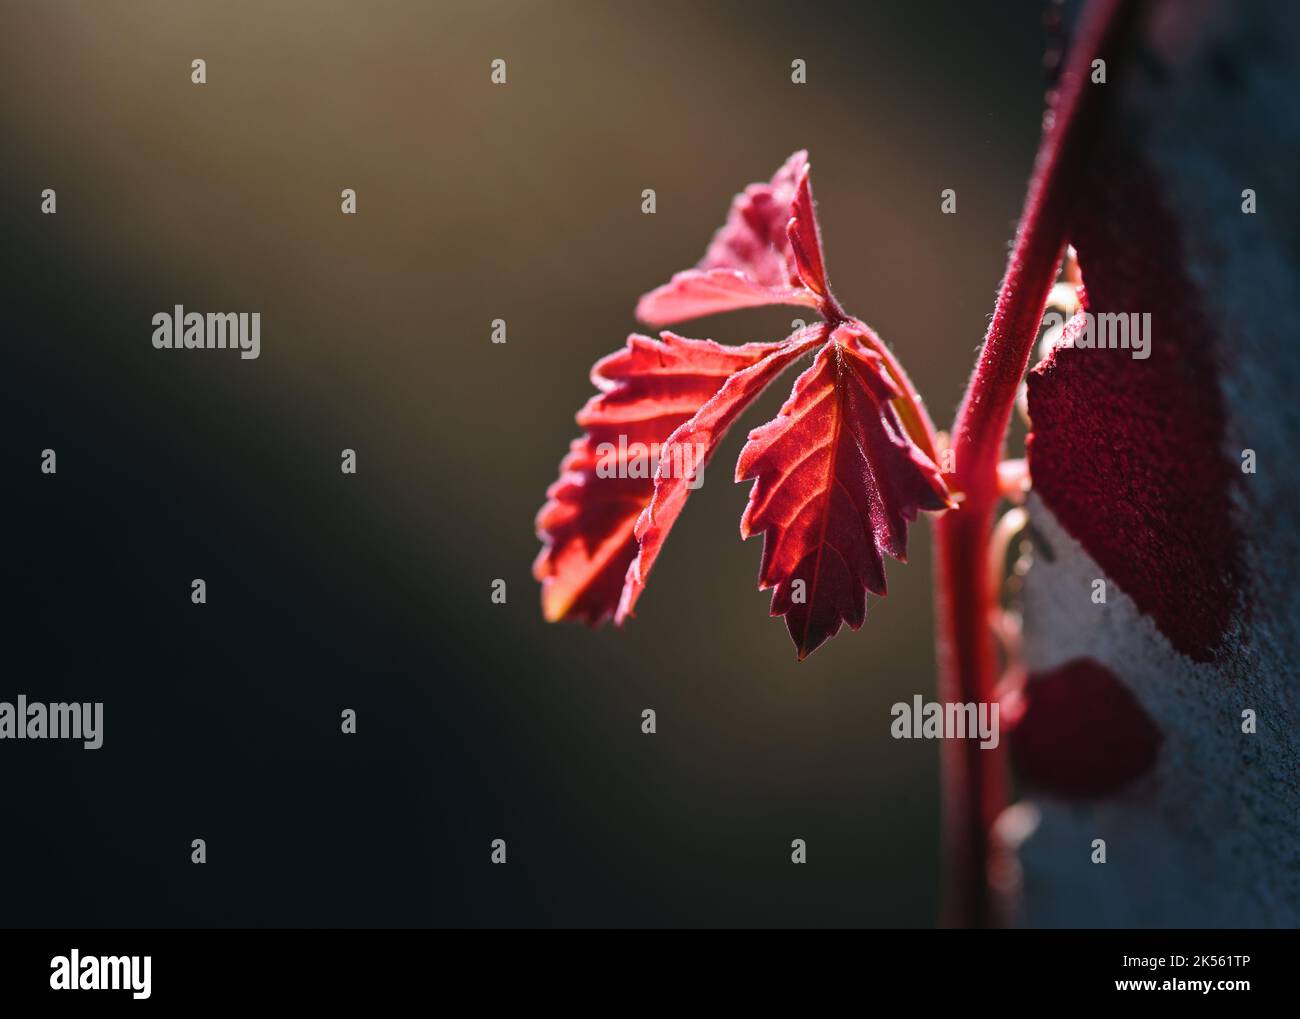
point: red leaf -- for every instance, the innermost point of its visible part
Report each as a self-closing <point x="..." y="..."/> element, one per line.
<point x="694" y="442"/>
<point x="754" y="238"/>
<point x="837" y="475"/>
<point x="1078" y="732"/>
<point x="760" y="256"/>
<point x="1110" y="487"/>
<point x="805" y="239"/>
<point x="836" y="479"/>
<point x="587" y="526"/>
<point x="695" y="292"/>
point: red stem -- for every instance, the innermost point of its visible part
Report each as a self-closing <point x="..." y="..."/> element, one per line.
<point x="974" y="780"/>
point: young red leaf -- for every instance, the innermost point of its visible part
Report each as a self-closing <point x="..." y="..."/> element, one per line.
<point x="694" y="442"/>
<point x="752" y="259"/>
<point x="587" y="526"/>
<point x="836" y="479"/>
<point x="837" y="476"/>
<point x="698" y="292"/>
<point x="805" y="239"/>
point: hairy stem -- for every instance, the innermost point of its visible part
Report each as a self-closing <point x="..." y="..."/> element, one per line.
<point x="974" y="780"/>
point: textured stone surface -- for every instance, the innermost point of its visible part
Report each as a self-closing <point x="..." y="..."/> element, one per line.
<point x="1211" y="835"/>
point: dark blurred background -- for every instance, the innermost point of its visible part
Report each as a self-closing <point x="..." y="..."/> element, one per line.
<point x="475" y="202"/>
